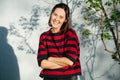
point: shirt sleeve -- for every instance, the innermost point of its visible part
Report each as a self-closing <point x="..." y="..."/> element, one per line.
<point x="72" y="48"/>
<point x="42" y="51"/>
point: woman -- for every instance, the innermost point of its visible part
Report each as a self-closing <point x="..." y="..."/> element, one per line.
<point x="58" y="52"/>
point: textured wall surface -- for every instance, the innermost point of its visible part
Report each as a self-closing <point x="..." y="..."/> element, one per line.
<point x="22" y="22"/>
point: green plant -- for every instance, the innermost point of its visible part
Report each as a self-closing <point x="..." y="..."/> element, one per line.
<point x="108" y="13"/>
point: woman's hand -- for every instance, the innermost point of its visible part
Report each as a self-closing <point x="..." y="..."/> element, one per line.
<point x="56" y="63"/>
<point x="45" y="64"/>
<point x="62" y="61"/>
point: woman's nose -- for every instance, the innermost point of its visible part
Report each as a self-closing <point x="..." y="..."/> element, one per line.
<point x="57" y="17"/>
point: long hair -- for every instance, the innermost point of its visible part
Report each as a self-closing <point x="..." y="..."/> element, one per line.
<point x="66" y="25"/>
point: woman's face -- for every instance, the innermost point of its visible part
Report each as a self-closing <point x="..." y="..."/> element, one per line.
<point x="58" y="18"/>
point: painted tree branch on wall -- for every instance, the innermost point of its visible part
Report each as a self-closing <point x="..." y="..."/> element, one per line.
<point x="27" y="26"/>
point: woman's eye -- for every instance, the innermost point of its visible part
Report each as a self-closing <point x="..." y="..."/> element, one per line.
<point x="61" y="17"/>
<point x="55" y="14"/>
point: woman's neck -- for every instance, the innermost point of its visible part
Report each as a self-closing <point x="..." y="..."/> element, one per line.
<point x="54" y="30"/>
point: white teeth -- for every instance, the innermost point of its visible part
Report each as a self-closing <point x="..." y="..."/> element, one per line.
<point x="55" y="22"/>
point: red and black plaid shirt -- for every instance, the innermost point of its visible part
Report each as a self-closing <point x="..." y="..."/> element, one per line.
<point x="60" y="45"/>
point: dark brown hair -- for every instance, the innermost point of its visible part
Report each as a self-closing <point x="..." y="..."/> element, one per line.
<point x="66" y="25"/>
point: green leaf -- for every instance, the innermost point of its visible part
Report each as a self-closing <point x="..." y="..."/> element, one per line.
<point x="106" y="36"/>
<point x="108" y="3"/>
<point x="86" y="32"/>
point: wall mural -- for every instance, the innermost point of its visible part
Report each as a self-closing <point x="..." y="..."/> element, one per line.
<point x="21" y="24"/>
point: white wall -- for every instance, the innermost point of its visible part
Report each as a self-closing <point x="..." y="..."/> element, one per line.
<point x="25" y="64"/>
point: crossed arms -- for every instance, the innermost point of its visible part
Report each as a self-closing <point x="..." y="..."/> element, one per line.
<point x="55" y="63"/>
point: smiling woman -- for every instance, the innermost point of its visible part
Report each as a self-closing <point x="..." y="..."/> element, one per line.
<point x="59" y="52"/>
<point x="57" y="19"/>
